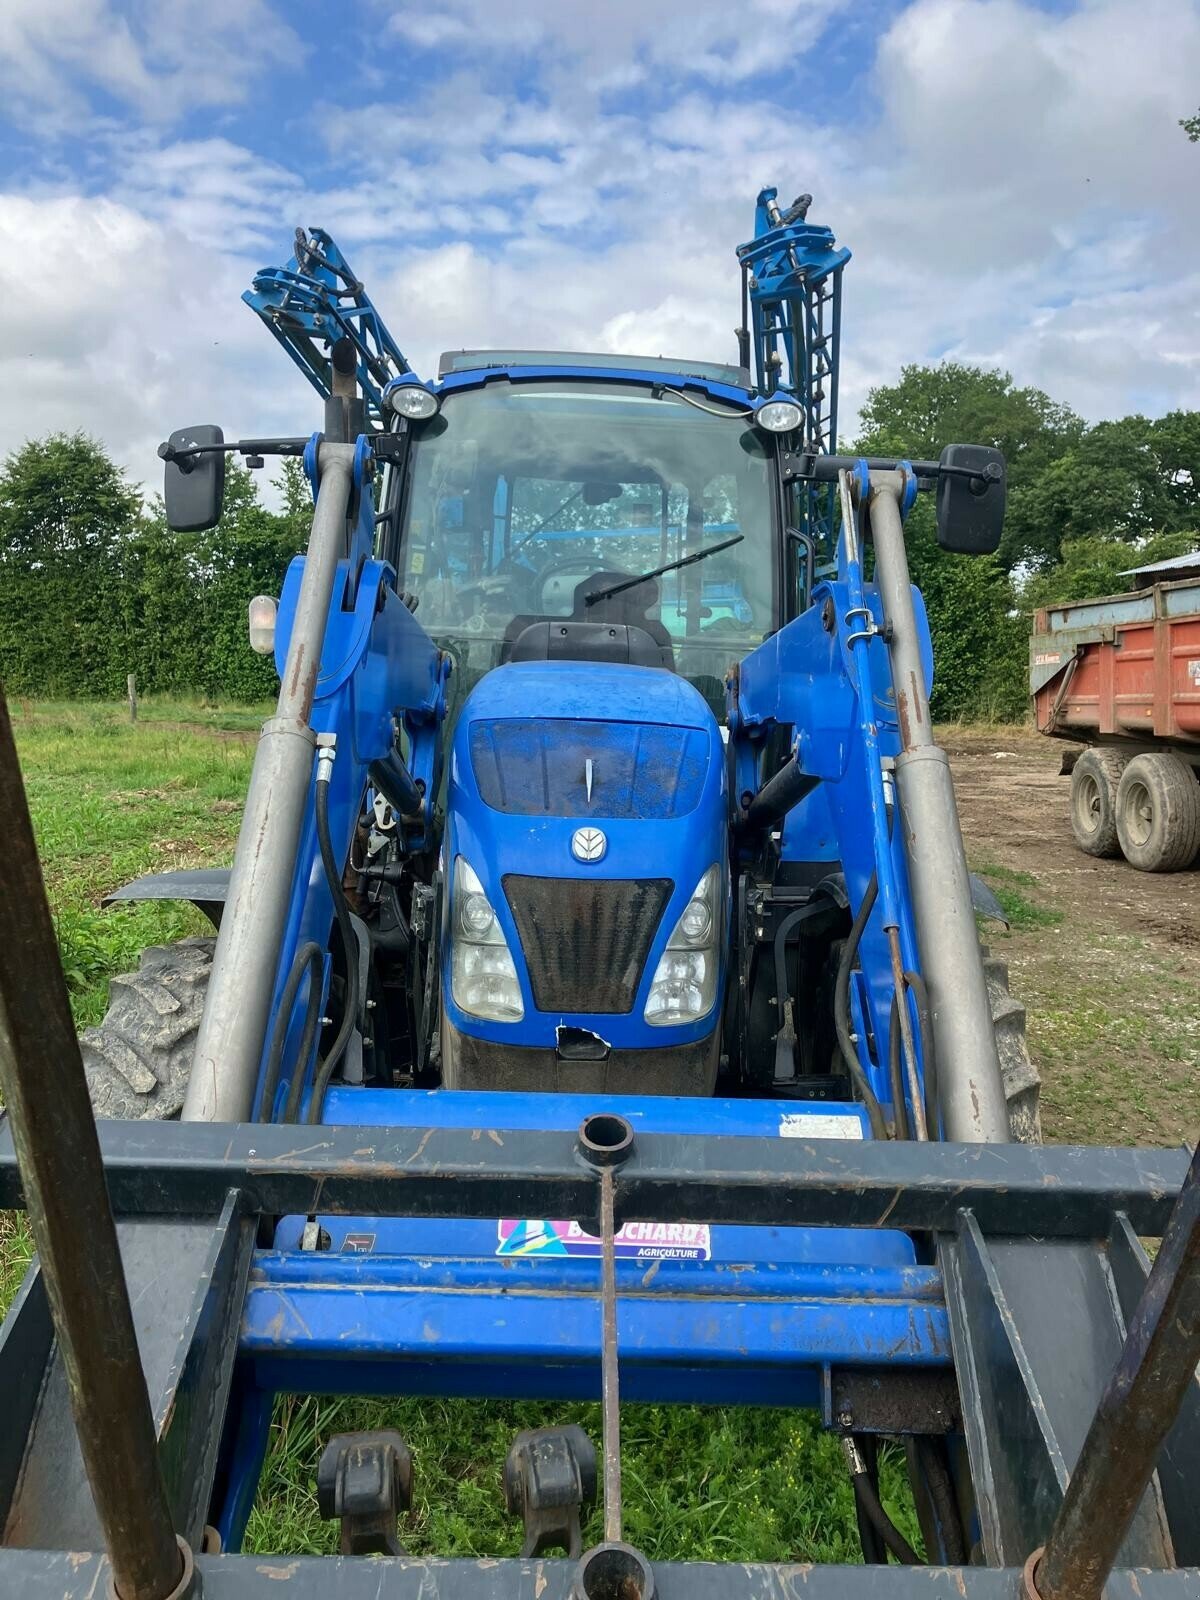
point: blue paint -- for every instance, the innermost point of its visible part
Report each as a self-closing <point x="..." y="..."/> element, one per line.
<point x="323" y="301"/>
<point x="534" y="1327"/>
<point x="384" y="1310"/>
<point x="794" y="272"/>
<point x="679" y="845"/>
<point x="377" y="662"/>
<point x="429" y="1305"/>
<point x="813" y="680"/>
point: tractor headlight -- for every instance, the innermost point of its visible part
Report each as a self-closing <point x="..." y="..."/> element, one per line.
<point x="779" y="416"/>
<point x="483" y="979"/>
<point x="412" y="400"/>
<point x="685" y="981"/>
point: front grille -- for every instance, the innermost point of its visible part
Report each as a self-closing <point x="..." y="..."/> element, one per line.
<point x="586" y="939"/>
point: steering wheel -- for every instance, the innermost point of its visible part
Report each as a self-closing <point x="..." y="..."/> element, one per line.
<point x="508" y="589"/>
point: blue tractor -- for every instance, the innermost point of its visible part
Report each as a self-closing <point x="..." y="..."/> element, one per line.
<point x="597" y="1006"/>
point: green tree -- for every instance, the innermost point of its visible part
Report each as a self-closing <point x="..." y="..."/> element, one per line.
<point x="930" y="407"/>
<point x="67" y="519"/>
<point x="1125" y="480"/>
<point x="978" y="632"/>
<point x="1095" y="566"/>
<point x="1191" y="126"/>
<point x="93" y="586"/>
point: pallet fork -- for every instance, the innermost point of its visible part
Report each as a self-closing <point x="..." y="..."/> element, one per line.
<point x="1075" y="1358"/>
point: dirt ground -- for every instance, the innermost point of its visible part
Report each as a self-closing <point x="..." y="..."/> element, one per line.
<point x="1106" y="959"/>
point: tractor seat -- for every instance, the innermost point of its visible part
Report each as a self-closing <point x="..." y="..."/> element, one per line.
<point x="568" y="640"/>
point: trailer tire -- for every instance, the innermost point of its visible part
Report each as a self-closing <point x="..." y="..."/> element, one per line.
<point x="138" y="1060"/>
<point x="1022" y="1080"/>
<point x="1158" y="813"/>
<point x="1095" y="779"/>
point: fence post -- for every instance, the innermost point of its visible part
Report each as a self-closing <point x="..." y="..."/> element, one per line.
<point x="131" y="686"/>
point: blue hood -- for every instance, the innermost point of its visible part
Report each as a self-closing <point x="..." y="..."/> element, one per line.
<point x="544" y="748"/>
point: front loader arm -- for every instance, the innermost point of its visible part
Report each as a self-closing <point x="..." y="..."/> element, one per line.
<point x="355" y="667"/>
<point x="851" y="678"/>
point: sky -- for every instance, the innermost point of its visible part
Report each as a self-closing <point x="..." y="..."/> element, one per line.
<point x="1009" y="175"/>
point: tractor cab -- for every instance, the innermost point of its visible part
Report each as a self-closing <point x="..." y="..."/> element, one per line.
<point x="594" y="547"/>
<point x="575" y="507"/>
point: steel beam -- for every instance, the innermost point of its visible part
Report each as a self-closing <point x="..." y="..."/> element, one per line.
<point x="1136" y="1412"/>
<point x="50" y="1119"/>
<point x="487" y="1171"/>
<point x="57" y="1575"/>
<point x="1016" y="1307"/>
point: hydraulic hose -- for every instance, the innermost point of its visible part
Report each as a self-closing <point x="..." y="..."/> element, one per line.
<point x="308" y="956"/>
<point x="866" y="1497"/>
<point x="915" y="982"/>
<point x="895" y="1075"/>
<point x="927" y="1457"/>
<point x="841" y="1011"/>
<point x="349" y="945"/>
<point x="874" y="1552"/>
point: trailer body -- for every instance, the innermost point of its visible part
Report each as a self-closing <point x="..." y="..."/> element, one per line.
<point x="1122" y="668"/>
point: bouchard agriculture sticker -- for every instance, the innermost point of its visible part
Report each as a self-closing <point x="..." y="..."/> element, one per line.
<point x="637" y="1241"/>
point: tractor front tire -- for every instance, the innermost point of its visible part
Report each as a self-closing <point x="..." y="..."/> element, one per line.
<point x="1094" y="781"/>
<point x="1022" y="1080"/>
<point x="138" y="1060"/>
<point x="1158" y="813"/>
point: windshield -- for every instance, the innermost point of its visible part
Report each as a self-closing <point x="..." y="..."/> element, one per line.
<point x="524" y="499"/>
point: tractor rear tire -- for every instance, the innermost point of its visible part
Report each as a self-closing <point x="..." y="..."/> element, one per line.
<point x="139" y="1058"/>
<point x="1158" y="813"/>
<point x="1022" y="1080"/>
<point x="1094" y="781"/>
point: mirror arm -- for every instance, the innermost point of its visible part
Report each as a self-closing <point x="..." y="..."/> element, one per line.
<point x="185" y="460"/>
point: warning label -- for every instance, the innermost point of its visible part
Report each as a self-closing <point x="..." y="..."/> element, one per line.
<point x="819" y="1125"/>
<point x="637" y="1241"/>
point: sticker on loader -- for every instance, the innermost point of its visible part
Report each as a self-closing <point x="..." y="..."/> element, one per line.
<point x="636" y="1241"/>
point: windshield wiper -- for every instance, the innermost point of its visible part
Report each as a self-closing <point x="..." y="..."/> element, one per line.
<point x="684" y="561"/>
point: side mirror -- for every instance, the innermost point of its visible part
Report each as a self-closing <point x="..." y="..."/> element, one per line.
<point x="193" y="485"/>
<point x="970" y="499"/>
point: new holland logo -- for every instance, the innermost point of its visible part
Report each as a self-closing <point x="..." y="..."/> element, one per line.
<point x="588" y="844"/>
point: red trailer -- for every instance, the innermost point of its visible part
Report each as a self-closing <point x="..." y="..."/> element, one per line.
<point x="1122" y="675"/>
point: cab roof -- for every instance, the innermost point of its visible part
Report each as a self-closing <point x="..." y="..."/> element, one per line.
<point x="734" y="377"/>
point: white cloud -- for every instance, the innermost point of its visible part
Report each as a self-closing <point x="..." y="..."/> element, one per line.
<point x="115" y="325"/>
<point x="1011" y="180"/>
<point x="620" y="43"/>
<point x="159" y="57"/>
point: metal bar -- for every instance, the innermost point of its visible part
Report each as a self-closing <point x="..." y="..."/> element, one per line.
<point x="1179" y="1460"/>
<point x="61" y="1575"/>
<point x="230" y="1041"/>
<point x="1055" y="1192"/>
<point x="1135" y="1414"/>
<point x="970" y="1085"/>
<point x="610" y="1379"/>
<point x="48" y="1111"/>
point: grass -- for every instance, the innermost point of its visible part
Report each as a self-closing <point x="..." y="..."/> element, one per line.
<point x="1009" y="886"/>
<point x="721" y="1484"/>
<point x="110" y="802"/>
